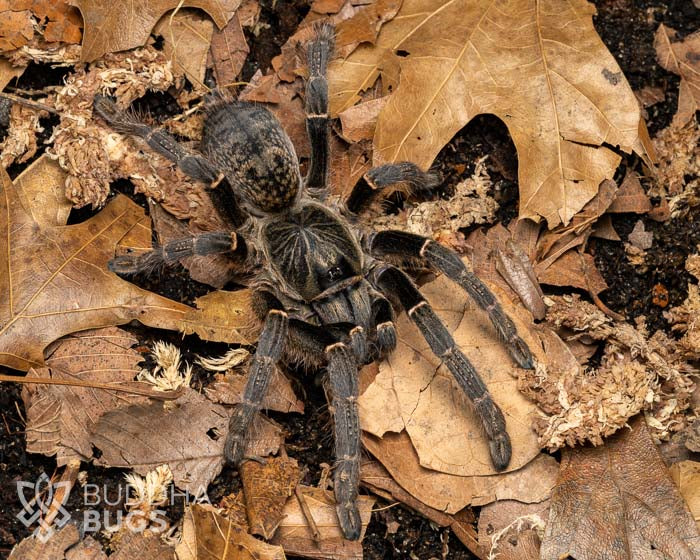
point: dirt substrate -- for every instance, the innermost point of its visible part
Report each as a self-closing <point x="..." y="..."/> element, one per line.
<point x="627" y="27"/>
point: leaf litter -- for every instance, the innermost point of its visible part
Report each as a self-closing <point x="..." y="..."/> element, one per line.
<point x="573" y="402"/>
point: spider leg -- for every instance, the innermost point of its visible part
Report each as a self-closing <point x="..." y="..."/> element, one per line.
<point x="165" y="144"/>
<point x="383" y="318"/>
<point x="270" y="347"/>
<point x="173" y="251"/>
<point x="391" y="280"/>
<point x="317" y="117"/>
<point x="404" y="176"/>
<point x="342" y="372"/>
<point x="404" y="244"/>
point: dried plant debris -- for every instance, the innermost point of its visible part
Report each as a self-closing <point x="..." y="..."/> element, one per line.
<point x="686" y="317"/>
<point x="168" y="374"/>
<point x="117" y="27"/>
<point x="678" y="173"/>
<point x="146" y="494"/>
<point x="638" y="372"/>
<point x="470" y="204"/>
<point x="686" y="475"/>
<point x="266" y="488"/>
<point x="510" y="530"/>
<point x="23" y="21"/>
<point x="618" y="501"/>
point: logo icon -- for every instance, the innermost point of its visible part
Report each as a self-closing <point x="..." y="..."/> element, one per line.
<point x="37" y="508"/>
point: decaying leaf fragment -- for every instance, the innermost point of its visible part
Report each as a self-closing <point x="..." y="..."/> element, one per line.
<point x="266" y="488"/>
<point x="415" y="391"/>
<point x="521" y="60"/>
<point x="208" y="535"/>
<point x="510" y="530"/>
<point x="117" y="26"/>
<point x="450" y="493"/>
<point x="57" y="280"/>
<point x="618" y="501"/>
<point x="297" y="538"/>
<point x="682" y="58"/>
<point x="686" y="475"/>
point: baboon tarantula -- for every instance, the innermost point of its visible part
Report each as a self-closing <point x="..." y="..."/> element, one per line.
<point x="323" y="283"/>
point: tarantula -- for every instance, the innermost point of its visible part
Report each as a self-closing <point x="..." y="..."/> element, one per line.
<point x="324" y="286"/>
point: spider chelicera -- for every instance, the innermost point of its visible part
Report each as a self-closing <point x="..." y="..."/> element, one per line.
<point x="324" y="286"/>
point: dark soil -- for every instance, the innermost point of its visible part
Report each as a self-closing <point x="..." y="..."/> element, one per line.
<point x="627" y="27"/>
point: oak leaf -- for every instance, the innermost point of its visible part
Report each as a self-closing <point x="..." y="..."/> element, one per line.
<point x="415" y="391"/>
<point x="537" y="65"/>
<point x="618" y="501"/>
<point x="57" y="281"/>
<point x="118" y="26"/>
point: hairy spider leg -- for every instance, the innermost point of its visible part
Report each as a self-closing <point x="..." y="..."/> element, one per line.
<point x="168" y="254"/>
<point x="342" y="373"/>
<point x="318" y="54"/>
<point x="403" y="176"/>
<point x="404" y="244"/>
<point x="269" y="351"/>
<point x="125" y="122"/>
<point x="391" y="280"/>
<point x="193" y="164"/>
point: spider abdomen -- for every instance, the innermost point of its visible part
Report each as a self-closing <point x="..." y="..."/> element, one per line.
<point x="248" y="144"/>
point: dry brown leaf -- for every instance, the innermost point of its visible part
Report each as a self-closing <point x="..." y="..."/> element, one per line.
<point x="139" y="545"/>
<point x="8" y="72"/>
<point x="619" y="502"/>
<point x="207" y="535"/>
<point x="450" y="493"/>
<point x="359" y="121"/>
<point x="521" y="61"/>
<point x="364" y="26"/>
<point x="58" y="283"/>
<point x="229" y="50"/>
<point x="682" y="58"/>
<point x="16" y="25"/>
<point x="53" y="549"/>
<point x="510" y="530"/>
<point x="415" y="391"/>
<point x="118" y="26"/>
<point x="266" y="488"/>
<point x="296" y="537"/>
<point x="379" y="481"/>
<point x="187" y="36"/>
<point x="640" y="238"/>
<point x="280" y="397"/>
<point x="630" y="197"/>
<point x="686" y="475"/>
<point x="60" y="418"/>
<point x="88" y="549"/>
<point x="40" y="188"/>
<point x="574" y="269"/>
<point x="145" y="436"/>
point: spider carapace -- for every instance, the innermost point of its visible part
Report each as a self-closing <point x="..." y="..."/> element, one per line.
<point x="326" y="287"/>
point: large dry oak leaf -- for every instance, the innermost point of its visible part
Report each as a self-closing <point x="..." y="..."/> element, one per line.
<point x="538" y="65"/>
<point x="618" y="502"/>
<point x="118" y="26"/>
<point x="56" y="282"/>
